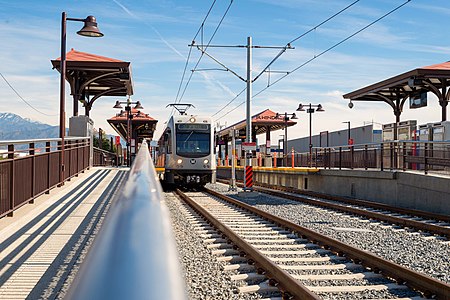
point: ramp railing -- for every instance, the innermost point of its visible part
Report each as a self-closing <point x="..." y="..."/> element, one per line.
<point x="29" y="168"/>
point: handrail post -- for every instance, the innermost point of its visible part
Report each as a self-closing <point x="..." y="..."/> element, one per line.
<point x="47" y="151"/>
<point x="404" y="156"/>
<point x="12" y="183"/>
<point x="365" y="157"/>
<point x="382" y="157"/>
<point x="391" y="151"/>
<point x="352" y="153"/>
<point x="31" y="151"/>
<point x="315" y="158"/>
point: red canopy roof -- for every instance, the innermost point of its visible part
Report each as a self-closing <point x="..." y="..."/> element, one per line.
<point x="142" y="124"/>
<point x="260" y="122"/>
<point x="441" y="66"/>
<point x="95" y="75"/>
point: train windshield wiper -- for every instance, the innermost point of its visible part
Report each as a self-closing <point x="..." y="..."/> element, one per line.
<point x="188" y="136"/>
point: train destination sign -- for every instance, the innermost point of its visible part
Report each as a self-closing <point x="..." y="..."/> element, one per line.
<point x="193" y="127"/>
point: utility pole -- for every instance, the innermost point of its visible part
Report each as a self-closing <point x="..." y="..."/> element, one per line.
<point x="248" y="138"/>
<point x="233" y="161"/>
<point x="249" y="81"/>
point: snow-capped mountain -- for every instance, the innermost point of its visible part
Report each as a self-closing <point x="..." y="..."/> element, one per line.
<point x="14" y="127"/>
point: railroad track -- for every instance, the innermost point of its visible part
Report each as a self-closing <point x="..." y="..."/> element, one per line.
<point x="419" y="220"/>
<point x="299" y="262"/>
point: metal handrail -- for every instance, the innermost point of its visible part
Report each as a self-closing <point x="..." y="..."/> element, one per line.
<point x="378" y="144"/>
<point x="9" y="142"/>
<point x="134" y="255"/>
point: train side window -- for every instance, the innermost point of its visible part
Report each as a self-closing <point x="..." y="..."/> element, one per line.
<point x="168" y="137"/>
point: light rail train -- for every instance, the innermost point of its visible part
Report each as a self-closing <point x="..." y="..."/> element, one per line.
<point x="186" y="151"/>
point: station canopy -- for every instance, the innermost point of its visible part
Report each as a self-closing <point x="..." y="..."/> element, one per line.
<point x="263" y="122"/>
<point x="142" y="125"/>
<point x="96" y="76"/>
<point x="396" y="90"/>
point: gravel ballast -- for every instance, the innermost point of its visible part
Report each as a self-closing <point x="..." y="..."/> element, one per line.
<point x="415" y="251"/>
<point x="203" y="274"/>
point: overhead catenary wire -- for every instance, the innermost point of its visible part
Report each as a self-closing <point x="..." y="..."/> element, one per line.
<point x="320" y="54"/>
<point x="25" y="101"/>
<point x="190" y="48"/>
<point x="323" y="22"/>
<point x="292" y="41"/>
<point x="334" y="46"/>
<point x="206" y="47"/>
<point x="237" y="96"/>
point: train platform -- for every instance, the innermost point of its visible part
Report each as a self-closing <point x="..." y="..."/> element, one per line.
<point x="43" y="243"/>
<point x="407" y="189"/>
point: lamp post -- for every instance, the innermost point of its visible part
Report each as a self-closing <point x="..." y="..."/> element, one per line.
<point x="286" y="118"/>
<point x="89" y="29"/>
<point x="310" y="110"/>
<point x="129" y="117"/>
<point x="348" y="132"/>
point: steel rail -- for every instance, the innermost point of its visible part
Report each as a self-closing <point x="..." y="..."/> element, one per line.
<point x="426" y="284"/>
<point x="286" y="282"/>
<point x="415" y="212"/>
<point x="443" y="231"/>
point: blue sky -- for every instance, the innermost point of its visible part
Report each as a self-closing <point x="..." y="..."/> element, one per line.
<point x="154" y="37"/>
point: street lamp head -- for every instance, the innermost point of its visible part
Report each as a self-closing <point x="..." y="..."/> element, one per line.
<point x="294" y="117"/>
<point x="350" y="104"/>
<point x="319" y="108"/>
<point x="300" y="107"/>
<point x="90" y="28"/>
<point x="138" y="105"/>
<point x="118" y="105"/>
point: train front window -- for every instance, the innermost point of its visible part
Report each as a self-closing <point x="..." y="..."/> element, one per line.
<point x="193" y="143"/>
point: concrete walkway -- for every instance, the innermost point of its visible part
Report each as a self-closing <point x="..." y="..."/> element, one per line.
<point x="42" y="246"/>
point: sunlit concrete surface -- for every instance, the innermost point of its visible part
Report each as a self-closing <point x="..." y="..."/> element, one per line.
<point x="42" y="246"/>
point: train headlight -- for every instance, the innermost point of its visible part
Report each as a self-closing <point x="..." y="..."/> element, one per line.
<point x="206" y="161"/>
<point x="192" y="119"/>
<point x="179" y="161"/>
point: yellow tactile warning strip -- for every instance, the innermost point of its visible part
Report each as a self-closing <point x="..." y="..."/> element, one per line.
<point x="279" y="169"/>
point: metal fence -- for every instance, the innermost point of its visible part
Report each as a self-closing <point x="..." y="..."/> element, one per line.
<point x="397" y="155"/>
<point x="104" y="158"/>
<point x="29" y="168"/>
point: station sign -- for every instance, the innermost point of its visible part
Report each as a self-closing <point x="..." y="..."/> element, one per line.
<point x="249" y="146"/>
